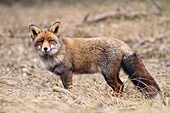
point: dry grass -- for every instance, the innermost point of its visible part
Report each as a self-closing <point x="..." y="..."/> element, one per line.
<point x="25" y="86"/>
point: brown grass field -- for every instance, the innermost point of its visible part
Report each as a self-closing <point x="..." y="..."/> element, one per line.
<point x="26" y="87"/>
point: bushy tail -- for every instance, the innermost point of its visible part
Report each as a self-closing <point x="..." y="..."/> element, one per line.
<point x="133" y="66"/>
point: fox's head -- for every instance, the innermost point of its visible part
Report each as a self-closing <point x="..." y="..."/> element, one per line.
<point x="46" y="41"/>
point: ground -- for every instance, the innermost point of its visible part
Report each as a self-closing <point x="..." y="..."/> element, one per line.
<point x="25" y="86"/>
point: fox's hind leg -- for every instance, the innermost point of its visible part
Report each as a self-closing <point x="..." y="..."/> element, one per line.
<point x="115" y="83"/>
<point x="111" y="75"/>
<point x="121" y="85"/>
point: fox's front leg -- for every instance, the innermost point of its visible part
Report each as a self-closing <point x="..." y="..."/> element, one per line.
<point x="66" y="79"/>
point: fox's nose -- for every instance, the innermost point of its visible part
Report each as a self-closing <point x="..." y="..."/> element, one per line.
<point x="45" y="48"/>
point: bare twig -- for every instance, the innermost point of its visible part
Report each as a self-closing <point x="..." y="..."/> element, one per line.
<point x="118" y="14"/>
<point x="12" y="70"/>
<point x="155" y="7"/>
<point x="62" y="90"/>
<point x="47" y="80"/>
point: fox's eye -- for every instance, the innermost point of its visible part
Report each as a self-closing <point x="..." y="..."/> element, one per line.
<point x="51" y="41"/>
<point x="39" y="42"/>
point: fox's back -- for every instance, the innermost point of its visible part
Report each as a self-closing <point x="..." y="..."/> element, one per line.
<point x="89" y="47"/>
<point x="88" y="53"/>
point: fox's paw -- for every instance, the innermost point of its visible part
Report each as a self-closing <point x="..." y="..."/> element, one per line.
<point x="68" y="87"/>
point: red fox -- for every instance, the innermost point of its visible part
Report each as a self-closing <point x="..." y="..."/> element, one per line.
<point x="65" y="56"/>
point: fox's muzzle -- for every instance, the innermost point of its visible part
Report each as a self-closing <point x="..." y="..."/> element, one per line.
<point x="45" y="49"/>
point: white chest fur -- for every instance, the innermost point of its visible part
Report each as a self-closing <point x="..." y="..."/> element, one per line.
<point x="52" y="62"/>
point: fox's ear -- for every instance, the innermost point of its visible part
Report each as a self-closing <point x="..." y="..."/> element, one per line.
<point x="55" y="28"/>
<point x="34" y="30"/>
